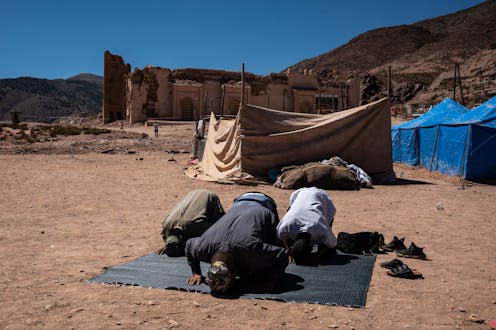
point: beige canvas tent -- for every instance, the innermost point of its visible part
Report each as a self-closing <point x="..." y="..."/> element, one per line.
<point x="258" y="139"/>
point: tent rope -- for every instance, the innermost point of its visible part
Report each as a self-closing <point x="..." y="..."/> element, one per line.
<point x="484" y="143"/>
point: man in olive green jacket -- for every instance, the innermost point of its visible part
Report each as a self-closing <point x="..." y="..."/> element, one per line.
<point x="191" y="217"/>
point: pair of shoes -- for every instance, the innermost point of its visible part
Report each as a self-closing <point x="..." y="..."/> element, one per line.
<point x="395" y="244"/>
<point x="413" y="251"/>
<point x="403" y="271"/>
<point x="392" y="264"/>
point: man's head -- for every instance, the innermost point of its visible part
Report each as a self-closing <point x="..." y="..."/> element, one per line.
<point x="174" y="245"/>
<point x="220" y="276"/>
<point x="302" y="248"/>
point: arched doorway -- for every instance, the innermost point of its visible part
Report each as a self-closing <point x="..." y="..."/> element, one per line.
<point x="306" y="107"/>
<point x="187" y="108"/>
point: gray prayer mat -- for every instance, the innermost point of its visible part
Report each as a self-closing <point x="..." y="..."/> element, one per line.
<point x="342" y="280"/>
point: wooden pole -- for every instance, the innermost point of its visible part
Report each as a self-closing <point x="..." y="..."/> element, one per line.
<point x="347" y="96"/>
<point x="283" y="99"/>
<point x="389" y="81"/>
<point x="454" y="86"/>
<point x="460" y="83"/>
<point x="222" y="101"/>
<point x="205" y="105"/>
<point x="242" y="86"/>
<point x="318" y="101"/>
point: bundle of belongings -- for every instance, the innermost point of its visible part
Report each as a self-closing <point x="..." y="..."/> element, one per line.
<point x="333" y="173"/>
<point x="362" y="242"/>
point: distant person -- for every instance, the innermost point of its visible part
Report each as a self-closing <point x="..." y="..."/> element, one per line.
<point x="200" y="129"/>
<point x="307" y="222"/>
<point x="155" y="129"/>
<point x="199" y="135"/>
<point x="242" y="244"/>
<point x="191" y="217"/>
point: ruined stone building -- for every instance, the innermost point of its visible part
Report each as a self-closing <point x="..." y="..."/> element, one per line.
<point x="191" y="94"/>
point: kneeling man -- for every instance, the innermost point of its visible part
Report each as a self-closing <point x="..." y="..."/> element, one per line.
<point x="191" y="217"/>
<point x="308" y="221"/>
<point x="243" y="243"/>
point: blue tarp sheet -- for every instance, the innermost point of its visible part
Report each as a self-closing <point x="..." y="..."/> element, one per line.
<point x="443" y="112"/>
<point x="463" y="145"/>
<point x="405" y="136"/>
<point x="481" y="155"/>
<point x="486" y="112"/>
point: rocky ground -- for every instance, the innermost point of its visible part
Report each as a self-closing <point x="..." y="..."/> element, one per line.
<point x="34" y="138"/>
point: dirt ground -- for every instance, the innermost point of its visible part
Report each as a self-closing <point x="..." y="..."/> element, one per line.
<point x="67" y="213"/>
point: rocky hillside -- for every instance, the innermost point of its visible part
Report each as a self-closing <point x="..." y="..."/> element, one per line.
<point x="422" y="57"/>
<point x="46" y="100"/>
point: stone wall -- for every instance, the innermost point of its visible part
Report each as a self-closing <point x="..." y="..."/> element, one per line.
<point x="114" y="87"/>
<point x="191" y="94"/>
<point x="148" y="94"/>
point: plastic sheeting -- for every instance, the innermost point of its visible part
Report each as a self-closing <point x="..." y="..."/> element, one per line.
<point x="464" y="145"/>
<point x="405" y="136"/>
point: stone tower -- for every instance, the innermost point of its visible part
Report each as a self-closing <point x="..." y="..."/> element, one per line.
<point x="114" y="87"/>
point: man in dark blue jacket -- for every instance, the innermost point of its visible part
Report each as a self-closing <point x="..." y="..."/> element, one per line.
<point x="242" y="243"/>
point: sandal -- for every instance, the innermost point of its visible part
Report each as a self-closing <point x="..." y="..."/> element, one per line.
<point x="404" y="271"/>
<point x="392" y="264"/>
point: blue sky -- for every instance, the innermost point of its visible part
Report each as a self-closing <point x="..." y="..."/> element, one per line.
<point x="58" y="39"/>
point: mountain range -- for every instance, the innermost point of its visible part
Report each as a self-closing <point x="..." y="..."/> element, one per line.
<point x="45" y="100"/>
<point x="420" y="57"/>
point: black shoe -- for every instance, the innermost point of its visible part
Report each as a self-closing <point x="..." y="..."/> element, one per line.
<point x="394" y="245"/>
<point x="413" y="251"/>
<point x="392" y="264"/>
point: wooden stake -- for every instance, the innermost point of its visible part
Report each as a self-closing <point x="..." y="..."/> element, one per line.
<point x="242" y="85"/>
<point x="460" y="83"/>
<point x="389" y="81"/>
<point x="454" y="86"/>
<point x="222" y="101"/>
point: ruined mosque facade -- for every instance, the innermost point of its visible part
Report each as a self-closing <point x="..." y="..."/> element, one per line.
<point x="155" y="93"/>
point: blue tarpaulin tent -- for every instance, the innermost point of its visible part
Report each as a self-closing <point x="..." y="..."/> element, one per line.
<point x="463" y="145"/>
<point x="405" y="136"/>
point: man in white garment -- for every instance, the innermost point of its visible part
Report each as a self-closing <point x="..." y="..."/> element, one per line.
<point x="308" y="222"/>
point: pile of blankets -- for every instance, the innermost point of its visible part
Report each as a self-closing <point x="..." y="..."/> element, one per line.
<point x="332" y="174"/>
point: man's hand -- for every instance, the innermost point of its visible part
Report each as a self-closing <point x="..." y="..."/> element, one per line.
<point x="195" y="279"/>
